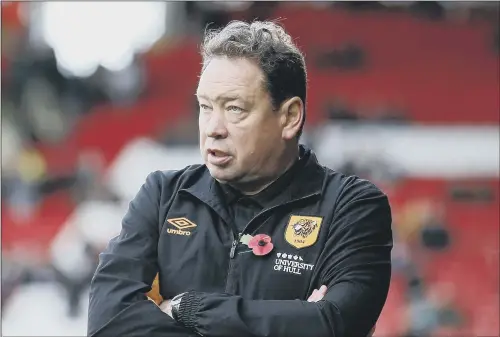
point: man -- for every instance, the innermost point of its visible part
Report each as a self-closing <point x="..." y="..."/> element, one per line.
<point x="241" y="242"/>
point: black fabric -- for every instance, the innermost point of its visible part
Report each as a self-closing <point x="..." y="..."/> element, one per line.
<point x="244" y="208"/>
<point x="142" y="318"/>
<point x="345" y="244"/>
<point x="189" y="306"/>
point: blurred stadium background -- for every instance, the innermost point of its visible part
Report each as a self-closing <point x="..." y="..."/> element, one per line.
<point x="96" y="95"/>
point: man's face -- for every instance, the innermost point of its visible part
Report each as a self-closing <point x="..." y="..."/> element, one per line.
<point x="240" y="134"/>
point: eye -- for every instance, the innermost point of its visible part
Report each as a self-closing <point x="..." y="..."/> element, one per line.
<point x="204" y="107"/>
<point x="234" y="108"/>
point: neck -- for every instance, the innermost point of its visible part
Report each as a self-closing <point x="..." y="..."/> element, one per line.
<point x="286" y="161"/>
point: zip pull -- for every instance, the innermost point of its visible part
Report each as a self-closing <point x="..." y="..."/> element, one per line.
<point x="234" y="245"/>
<point x="233" y="249"/>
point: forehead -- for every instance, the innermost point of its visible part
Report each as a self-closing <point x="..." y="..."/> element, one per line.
<point x="231" y="77"/>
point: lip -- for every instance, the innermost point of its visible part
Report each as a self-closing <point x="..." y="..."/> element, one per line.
<point x="217" y="157"/>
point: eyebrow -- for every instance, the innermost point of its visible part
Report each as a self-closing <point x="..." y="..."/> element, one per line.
<point x="219" y="98"/>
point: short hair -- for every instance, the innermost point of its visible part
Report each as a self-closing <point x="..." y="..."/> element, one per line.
<point x="271" y="47"/>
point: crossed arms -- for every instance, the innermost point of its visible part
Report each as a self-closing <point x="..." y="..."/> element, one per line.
<point x="355" y="268"/>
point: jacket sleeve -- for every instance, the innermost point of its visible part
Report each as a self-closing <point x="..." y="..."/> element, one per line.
<point x="118" y="304"/>
<point x="355" y="265"/>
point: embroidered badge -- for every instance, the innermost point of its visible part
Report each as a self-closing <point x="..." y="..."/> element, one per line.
<point x="291" y="264"/>
<point x="303" y="231"/>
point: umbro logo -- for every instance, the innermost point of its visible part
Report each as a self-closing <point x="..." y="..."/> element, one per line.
<point x="181" y="224"/>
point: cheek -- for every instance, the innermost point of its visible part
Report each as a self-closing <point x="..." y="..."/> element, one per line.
<point x="253" y="139"/>
<point x="249" y="147"/>
<point x="242" y="136"/>
<point x="201" y="126"/>
<point x="202" y="140"/>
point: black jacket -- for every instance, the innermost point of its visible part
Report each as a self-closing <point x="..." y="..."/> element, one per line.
<point x="327" y="229"/>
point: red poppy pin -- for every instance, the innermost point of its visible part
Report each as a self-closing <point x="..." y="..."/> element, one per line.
<point x="261" y="244"/>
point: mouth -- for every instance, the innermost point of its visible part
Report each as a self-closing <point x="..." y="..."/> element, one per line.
<point x="217" y="157"/>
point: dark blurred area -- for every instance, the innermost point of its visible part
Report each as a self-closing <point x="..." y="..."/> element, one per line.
<point x="405" y="94"/>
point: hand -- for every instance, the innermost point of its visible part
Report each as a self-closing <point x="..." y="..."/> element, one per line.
<point x="166" y="307"/>
<point x="317" y="294"/>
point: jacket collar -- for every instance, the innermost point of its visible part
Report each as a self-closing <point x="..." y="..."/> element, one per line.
<point x="308" y="181"/>
<point x="274" y="194"/>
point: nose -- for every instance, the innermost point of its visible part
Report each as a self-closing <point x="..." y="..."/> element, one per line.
<point x="215" y="126"/>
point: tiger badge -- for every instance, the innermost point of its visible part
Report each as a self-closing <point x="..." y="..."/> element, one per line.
<point x="303" y="231"/>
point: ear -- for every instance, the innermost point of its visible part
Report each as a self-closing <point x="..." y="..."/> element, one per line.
<point x="292" y="113"/>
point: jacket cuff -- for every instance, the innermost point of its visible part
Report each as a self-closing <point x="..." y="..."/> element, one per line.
<point x="189" y="306"/>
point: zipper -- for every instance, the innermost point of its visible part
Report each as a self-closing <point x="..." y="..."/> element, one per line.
<point x="234" y="233"/>
<point x="237" y="238"/>
<point x="232" y="254"/>
<point x="234" y="245"/>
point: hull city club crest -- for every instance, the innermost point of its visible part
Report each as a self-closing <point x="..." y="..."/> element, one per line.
<point x="302" y="231"/>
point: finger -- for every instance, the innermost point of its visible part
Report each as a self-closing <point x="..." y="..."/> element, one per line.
<point x="372" y="331"/>
<point x="311" y="298"/>
<point x="314" y="296"/>
<point x="163" y="305"/>
<point x="317" y="297"/>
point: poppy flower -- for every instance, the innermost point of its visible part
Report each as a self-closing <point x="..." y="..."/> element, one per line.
<point x="261" y="244"/>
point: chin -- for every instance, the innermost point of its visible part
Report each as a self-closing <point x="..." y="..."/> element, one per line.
<point x="223" y="175"/>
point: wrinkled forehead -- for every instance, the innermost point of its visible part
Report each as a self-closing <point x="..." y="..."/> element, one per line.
<point x="238" y="77"/>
